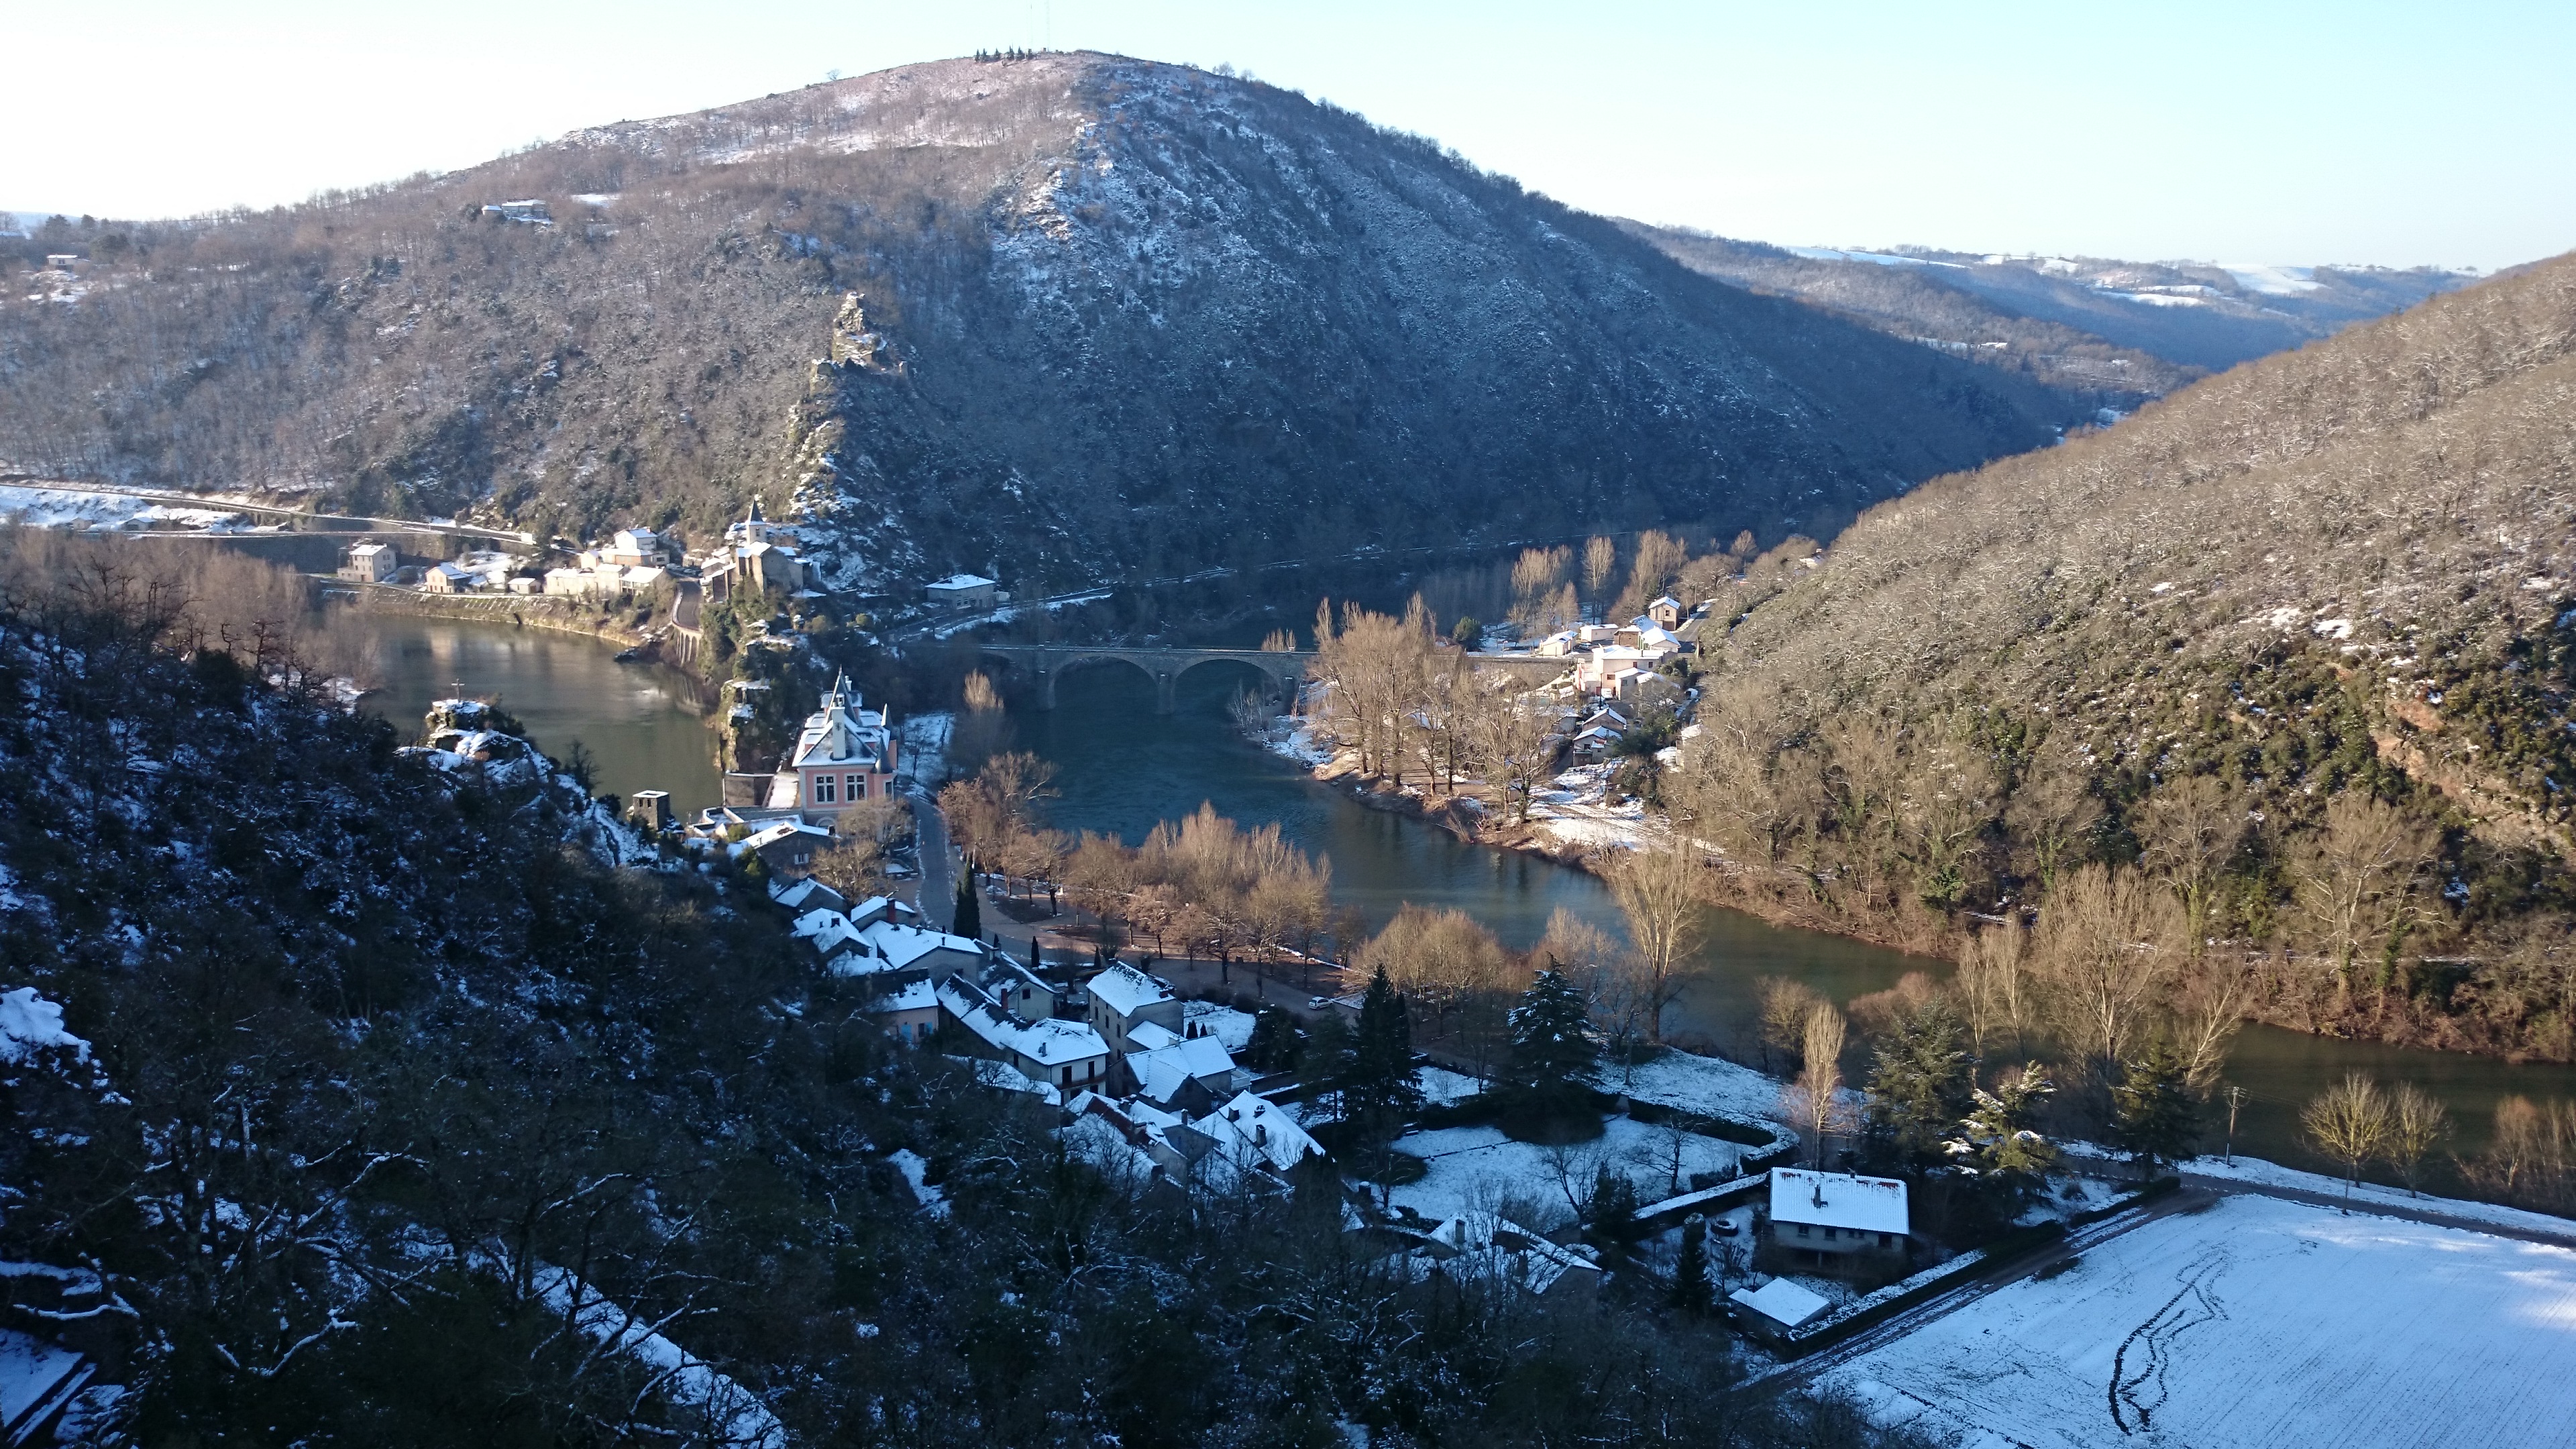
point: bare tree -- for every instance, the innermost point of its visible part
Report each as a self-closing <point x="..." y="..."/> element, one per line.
<point x="1813" y="1103"/>
<point x="2416" y="1124"/>
<point x="1994" y="987"/>
<point x="2190" y="830"/>
<point x="2356" y="881"/>
<point x="2106" y="940"/>
<point x="1786" y="1005"/>
<point x="2349" y="1123"/>
<point x="1600" y="556"/>
<point x="1656" y="890"/>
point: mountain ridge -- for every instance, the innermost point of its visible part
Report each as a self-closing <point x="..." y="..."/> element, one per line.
<point x="1121" y="318"/>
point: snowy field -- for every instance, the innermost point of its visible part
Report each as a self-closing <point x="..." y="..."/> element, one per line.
<point x="74" y="508"/>
<point x="1479" y="1168"/>
<point x="1710" y="1086"/>
<point x="2255" y="1323"/>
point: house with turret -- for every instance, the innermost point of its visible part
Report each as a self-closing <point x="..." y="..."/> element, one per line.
<point x="845" y="754"/>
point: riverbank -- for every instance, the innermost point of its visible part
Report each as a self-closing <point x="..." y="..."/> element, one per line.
<point x="526" y="611"/>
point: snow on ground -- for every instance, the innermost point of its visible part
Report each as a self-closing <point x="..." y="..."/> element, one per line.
<point x="1480" y="1169"/>
<point x="915" y="1169"/>
<point x="1710" y="1086"/>
<point x="1442" y="1087"/>
<point x="2257" y="1322"/>
<point x="2368" y="1194"/>
<point x="924" y="753"/>
<point x="2272" y="281"/>
<point x="1296" y="738"/>
<point x="69" y="508"/>
<point x="1575" y="808"/>
<point x="1231" y="1027"/>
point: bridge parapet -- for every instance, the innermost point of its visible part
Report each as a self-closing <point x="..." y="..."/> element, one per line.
<point x="1285" y="670"/>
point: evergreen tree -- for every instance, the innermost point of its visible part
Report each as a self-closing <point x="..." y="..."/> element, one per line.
<point x="1274" y="1043"/>
<point x="1691" y="1292"/>
<point x="1552" y="1045"/>
<point x="1613" y="1207"/>
<point x="1920" y="1086"/>
<point x="969" y="921"/>
<point x="1326" y="1064"/>
<point x="2153" y="1116"/>
<point x="1995" y="1147"/>
<point x="1380" y="1090"/>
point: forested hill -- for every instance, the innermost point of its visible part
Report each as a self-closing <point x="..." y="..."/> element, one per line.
<point x="1110" y="316"/>
<point x="2342" y="574"/>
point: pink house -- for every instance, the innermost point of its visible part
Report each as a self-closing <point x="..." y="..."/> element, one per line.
<point x="844" y="755"/>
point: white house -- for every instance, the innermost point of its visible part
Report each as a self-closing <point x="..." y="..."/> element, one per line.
<point x="1190" y="1073"/>
<point x="1836" y="1221"/>
<point x="910" y="1011"/>
<point x="964" y="591"/>
<point x="844" y="755"/>
<point x="1666" y="611"/>
<point x="636" y="548"/>
<point x="370" y="563"/>
<point x="1124" y="998"/>
<point x="1066" y="1055"/>
<point x="1254" y="1140"/>
<point x="446" y="578"/>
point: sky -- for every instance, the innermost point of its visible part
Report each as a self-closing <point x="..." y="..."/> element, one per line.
<point x="2397" y="134"/>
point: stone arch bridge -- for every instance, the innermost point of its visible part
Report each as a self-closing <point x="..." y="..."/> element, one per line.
<point x="1037" y="666"/>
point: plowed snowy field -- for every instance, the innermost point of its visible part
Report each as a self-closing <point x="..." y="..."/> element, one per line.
<point x="2255" y="1323"/>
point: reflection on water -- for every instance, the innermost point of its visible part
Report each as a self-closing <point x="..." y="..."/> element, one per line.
<point x="639" y="723"/>
<point x="1122" y="769"/>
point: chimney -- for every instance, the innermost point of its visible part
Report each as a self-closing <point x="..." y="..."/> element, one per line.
<point x="1820" y="1193"/>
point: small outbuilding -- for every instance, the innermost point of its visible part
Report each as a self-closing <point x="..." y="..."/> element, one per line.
<point x="964" y="591"/>
<point x="1777" y="1308"/>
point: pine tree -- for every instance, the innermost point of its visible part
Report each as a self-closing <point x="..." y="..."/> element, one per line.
<point x="1691" y="1292"/>
<point x="1273" y="1047"/>
<point x="969" y="920"/>
<point x="2153" y="1116"/>
<point x="1552" y="1044"/>
<point x="1613" y="1206"/>
<point x="1997" y="1150"/>
<point x="1326" y="1064"/>
<point x="1380" y="1090"/>
<point x="1921" y="1084"/>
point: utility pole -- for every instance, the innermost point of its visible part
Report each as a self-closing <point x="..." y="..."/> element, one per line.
<point x="2235" y="1099"/>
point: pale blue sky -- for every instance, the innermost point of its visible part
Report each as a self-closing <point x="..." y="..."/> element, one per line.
<point x="2279" y="132"/>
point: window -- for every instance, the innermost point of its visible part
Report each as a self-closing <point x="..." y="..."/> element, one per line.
<point x="1830" y="1235"/>
<point x="1803" y="1230"/>
<point x="858" y="786"/>
<point x="1068" y="1076"/>
<point x="823" y="789"/>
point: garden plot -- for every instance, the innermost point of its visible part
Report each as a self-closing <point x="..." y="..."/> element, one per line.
<point x="1479" y="1168"/>
<point x="2256" y="1322"/>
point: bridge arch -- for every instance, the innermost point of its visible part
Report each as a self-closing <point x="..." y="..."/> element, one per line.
<point x="1039" y="666"/>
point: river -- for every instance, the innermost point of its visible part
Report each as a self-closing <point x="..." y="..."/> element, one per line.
<point x="643" y="726"/>
<point x="1121" y="768"/>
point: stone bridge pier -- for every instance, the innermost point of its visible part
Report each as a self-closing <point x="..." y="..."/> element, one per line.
<point x="1039" y="666"/>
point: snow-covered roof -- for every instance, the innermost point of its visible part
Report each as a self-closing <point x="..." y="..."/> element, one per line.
<point x="1162" y="1072"/>
<point x="1152" y="1036"/>
<point x="817" y="921"/>
<point x="913" y="996"/>
<point x="899" y="945"/>
<point x="806" y="894"/>
<point x="1254" y="1132"/>
<point x="841" y="733"/>
<point x="1783" y="1302"/>
<point x="1662" y="600"/>
<point x="767" y="836"/>
<point x="1838" y="1200"/>
<point x="1125" y="990"/>
<point x="1048" y="1043"/>
<point x="964" y="581"/>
